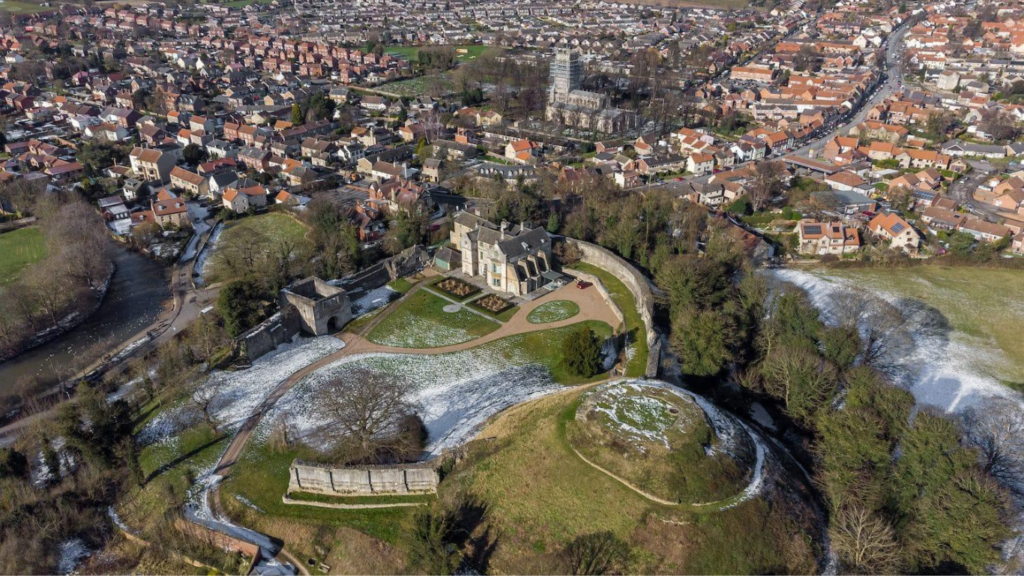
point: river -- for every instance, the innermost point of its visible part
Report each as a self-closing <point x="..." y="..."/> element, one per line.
<point x="137" y="293"/>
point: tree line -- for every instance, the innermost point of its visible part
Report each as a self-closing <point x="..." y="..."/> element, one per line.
<point x="66" y="281"/>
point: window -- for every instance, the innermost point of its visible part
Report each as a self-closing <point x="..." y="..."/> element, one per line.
<point x="496" y="282"/>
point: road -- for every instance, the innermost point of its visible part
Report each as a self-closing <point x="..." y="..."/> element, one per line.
<point x="892" y="84"/>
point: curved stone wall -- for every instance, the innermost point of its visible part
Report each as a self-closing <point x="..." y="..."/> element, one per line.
<point x="636" y="283"/>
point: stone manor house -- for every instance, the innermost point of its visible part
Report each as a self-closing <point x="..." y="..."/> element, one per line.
<point x="514" y="260"/>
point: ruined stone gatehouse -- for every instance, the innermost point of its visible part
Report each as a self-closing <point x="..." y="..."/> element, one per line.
<point x="322" y="308"/>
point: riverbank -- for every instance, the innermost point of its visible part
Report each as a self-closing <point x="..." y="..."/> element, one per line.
<point x="136" y="293"/>
<point x="69" y="322"/>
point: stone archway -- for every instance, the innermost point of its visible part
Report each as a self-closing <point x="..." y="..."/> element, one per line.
<point x="336" y="323"/>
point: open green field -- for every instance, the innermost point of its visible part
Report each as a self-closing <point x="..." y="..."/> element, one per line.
<point x="623" y="298"/>
<point x="421" y="322"/>
<point x="262" y="229"/>
<point x="986" y="305"/>
<point x="18" y="249"/>
<point x="472" y="51"/>
<point x="19" y="7"/>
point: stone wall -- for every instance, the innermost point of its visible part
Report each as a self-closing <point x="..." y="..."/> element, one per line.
<point x="274" y="331"/>
<point x="365" y="280"/>
<point x="636" y="283"/>
<point x="363" y="480"/>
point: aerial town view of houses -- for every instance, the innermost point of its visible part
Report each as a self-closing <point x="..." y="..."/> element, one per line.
<point x="511" y="286"/>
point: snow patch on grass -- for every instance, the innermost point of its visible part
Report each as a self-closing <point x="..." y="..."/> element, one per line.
<point x="72" y="553"/>
<point x="237" y="394"/>
<point x="456" y="392"/>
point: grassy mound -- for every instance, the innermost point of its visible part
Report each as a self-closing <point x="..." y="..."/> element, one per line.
<point x="537" y="496"/>
<point x="554" y="311"/>
<point x="659" y="442"/>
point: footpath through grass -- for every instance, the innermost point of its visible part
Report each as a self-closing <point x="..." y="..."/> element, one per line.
<point x="635" y="328"/>
<point x="18" y="249"/>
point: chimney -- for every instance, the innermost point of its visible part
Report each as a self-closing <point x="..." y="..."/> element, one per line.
<point x="504" y="225"/>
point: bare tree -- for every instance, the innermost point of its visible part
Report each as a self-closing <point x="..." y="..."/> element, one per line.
<point x="884" y="332"/>
<point x="203" y="397"/>
<point x="366" y="407"/>
<point x="206" y="336"/>
<point x="766" y="184"/>
<point x="865" y="543"/>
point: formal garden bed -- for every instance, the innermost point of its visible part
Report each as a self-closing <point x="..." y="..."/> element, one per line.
<point x="496" y="306"/>
<point x="456" y="288"/>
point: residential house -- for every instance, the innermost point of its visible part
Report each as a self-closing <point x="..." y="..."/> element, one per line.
<point x="514" y="260"/>
<point x="827" y="238"/>
<point x="900" y="234"/>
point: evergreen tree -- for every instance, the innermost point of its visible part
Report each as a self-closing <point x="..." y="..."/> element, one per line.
<point x="581" y="352"/>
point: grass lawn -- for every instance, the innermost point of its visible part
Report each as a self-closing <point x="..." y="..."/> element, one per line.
<point x="402" y="285"/>
<point x="983" y="304"/>
<point x="413" y="87"/>
<point x="261" y="479"/>
<point x="540" y="495"/>
<point x="18" y="249"/>
<point x="554" y="311"/>
<point x="170" y="468"/>
<point x="18" y="7"/>
<point x="421" y="322"/>
<point x="623" y="298"/>
<point x="272" y="225"/>
<point x="241" y="3"/>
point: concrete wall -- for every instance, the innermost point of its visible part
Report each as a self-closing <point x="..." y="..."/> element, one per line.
<point x="363" y="480"/>
<point x="636" y="283"/>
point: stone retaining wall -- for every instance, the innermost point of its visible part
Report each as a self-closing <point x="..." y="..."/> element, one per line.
<point x="363" y="480"/>
<point x="636" y="283"/>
